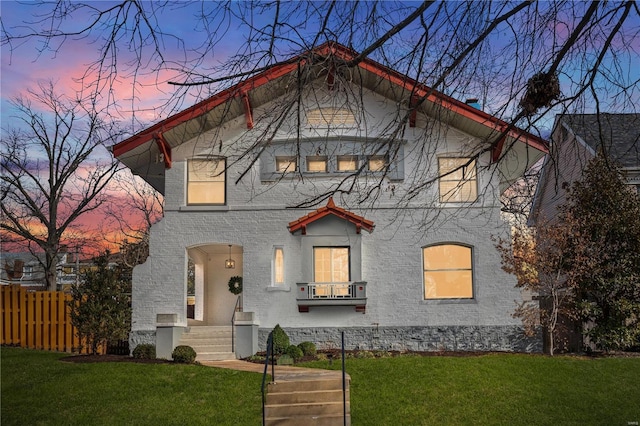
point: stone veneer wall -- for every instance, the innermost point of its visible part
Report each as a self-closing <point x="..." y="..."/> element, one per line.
<point x="507" y="338"/>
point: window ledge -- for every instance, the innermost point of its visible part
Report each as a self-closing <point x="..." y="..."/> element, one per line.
<point x="448" y="301"/>
<point x="279" y="288"/>
<point x="203" y="208"/>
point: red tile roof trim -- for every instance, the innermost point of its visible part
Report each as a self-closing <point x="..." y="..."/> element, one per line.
<point x="330" y="209"/>
<point x="279" y="70"/>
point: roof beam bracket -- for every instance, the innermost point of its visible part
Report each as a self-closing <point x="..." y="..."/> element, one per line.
<point x="165" y="149"/>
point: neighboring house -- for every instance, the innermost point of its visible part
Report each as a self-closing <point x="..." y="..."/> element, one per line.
<point x="395" y="272"/>
<point x="575" y="140"/>
<point x="26" y="269"/>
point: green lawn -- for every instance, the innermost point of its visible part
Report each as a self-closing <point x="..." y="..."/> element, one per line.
<point x="491" y="389"/>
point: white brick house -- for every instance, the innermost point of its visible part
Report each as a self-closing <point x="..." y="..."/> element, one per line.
<point x="411" y="267"/>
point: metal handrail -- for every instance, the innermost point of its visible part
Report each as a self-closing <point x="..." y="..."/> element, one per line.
<point x="344" y="385"/>
<point x="264" y="374"/>
<point x="233" y="321"/>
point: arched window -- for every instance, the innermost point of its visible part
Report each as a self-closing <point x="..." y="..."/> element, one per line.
<point x="447" y="271"/>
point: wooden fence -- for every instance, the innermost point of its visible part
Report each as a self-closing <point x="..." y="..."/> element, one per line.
<point x="38" y="320"/>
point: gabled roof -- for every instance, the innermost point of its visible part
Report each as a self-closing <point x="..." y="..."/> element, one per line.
<point x="618" y="134"/>
<point x="142" y="151"/>
<point x="330" y="209"/>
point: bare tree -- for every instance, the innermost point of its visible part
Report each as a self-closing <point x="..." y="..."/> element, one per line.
<point x="52" y="171"/>
<point x="135" y="206"/>
<point x="523" y="60"/>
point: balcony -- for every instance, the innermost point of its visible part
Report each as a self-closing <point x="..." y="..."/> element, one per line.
<point x="332" y="294"/>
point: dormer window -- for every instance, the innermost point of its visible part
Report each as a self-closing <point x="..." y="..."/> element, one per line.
<point x="347" y="163"/>
<point x="317" y="164"/>
<point x="328" y="158"/>
<point x="286" y="164"/>
<point x="377" y="163"/>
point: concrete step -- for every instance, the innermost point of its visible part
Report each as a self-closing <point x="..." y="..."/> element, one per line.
<point x="313" y="420"/>
<point x="299" y="397"/>
<point x="306" y="410"/>
<point x="308" y="401"/>
<point x="307" y="385"/>
<point x="208" y="330"/>
<point x="211" y="343"/>
<point x="209" y="347"/>
<point x="215" y="356"/>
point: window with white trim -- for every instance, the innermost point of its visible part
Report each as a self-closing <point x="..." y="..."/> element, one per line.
<point x="448" y="271"/>
<point x="278" y="267"/>
<point x="458" y="180"/>
<point x="331" y="265"/>
<point x="206" y="181"/>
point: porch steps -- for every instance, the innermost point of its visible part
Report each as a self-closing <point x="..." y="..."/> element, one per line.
<point x="306" y="402"/>
<point x="211" y="343"/>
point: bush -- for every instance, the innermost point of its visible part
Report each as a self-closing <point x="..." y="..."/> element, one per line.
<point x="280" y="340"/>
<point x="308" y="348"/>
<point x="145" y="351"/>
<point x="294" y="352"/>
<point x="183" y="354"/>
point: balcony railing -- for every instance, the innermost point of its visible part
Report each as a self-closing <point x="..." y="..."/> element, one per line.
<point x="332" y="294"/>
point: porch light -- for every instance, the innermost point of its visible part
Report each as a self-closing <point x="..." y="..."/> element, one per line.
<point x="230" y="263"/>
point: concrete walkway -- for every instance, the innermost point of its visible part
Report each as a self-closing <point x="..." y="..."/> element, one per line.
<point x="282" y="372"/>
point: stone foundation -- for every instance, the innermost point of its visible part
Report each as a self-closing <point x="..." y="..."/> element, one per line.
<point x="142" y="336"/>
<point x="415" y="338"/>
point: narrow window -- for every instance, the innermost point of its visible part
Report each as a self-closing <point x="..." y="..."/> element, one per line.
<point x="377" y="163"/>
<point x="331" y="264"/>
<point x="278" y="266"/>
<point x="286" y="164"/>
<point x="448" y="272"/>
<point x="317" y="164"/>
<point x="206" y="181"/>
<point x="347" y="163"/>
<point x="458" y="182"/>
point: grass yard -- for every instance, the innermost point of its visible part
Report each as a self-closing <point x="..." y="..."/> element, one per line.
<point x="37" y="389"/>
<point x="509" y="389"/>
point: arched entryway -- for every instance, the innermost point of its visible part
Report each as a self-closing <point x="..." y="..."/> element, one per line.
<point x="211" y="266"/>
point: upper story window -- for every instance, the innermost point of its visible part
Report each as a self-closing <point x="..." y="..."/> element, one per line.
<point x="377" y="163"/>
<point x="206" y="181"/>
<point x="317" y="164"/>
<point x="331" y="265"/>
<point x="347" y="163"/>
<point x="330" y="116"/>
<point x="458" y="180"/>
<point x="286" y="164"/>
<point x="322" y="158"/>
<point x="448" y="272"/>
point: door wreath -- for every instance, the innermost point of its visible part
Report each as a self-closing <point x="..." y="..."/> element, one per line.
<point x="235" y="285"/>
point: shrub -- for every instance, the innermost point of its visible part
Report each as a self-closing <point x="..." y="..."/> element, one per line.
<point x="285" y="360"/>
<point x="145" y="351"/>
<point x="308" y="348"/>
<point x="183" y="354"/>
<point x="294" y="352"/>
<point x="280" y="340"/>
